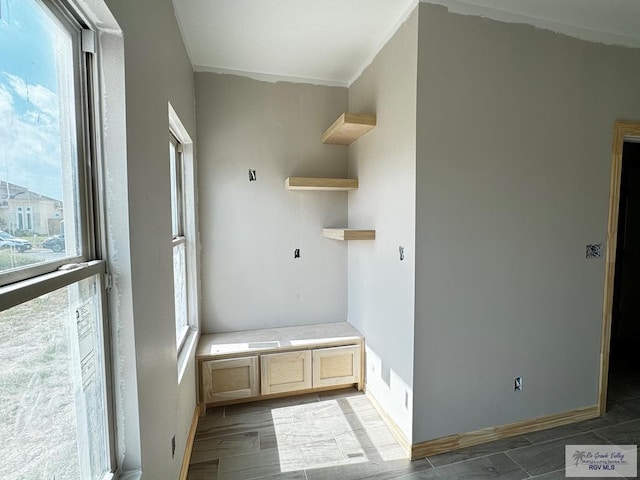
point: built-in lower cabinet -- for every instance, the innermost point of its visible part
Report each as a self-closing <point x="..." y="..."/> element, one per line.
<point x="230" y="379"/>
<point x="285" y="372"/>
<point x="245" y="366"/>
<point x="336" y="366"/>
<point x="322" y="367"/>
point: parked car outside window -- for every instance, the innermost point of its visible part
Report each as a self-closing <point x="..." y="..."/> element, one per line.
<point x="55" y="243"/>
<point x="9" y="241"/>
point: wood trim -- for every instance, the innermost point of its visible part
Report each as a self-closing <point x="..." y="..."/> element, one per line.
<point x="186" y="459"/>
<point x="393" y="426"/>
<point x="468" y="439"/>
<point x="363" y="359"/>
<point x="622" y="130"/>
<point x="326" y="184"/>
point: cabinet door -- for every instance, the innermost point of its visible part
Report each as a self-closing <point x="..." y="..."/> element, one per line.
<point x="285" y="372"/>
<point x="336" y="366"/>
<point x="229" y="379"/>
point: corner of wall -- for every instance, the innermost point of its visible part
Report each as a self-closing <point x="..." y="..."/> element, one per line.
<point x="381" y="272"/>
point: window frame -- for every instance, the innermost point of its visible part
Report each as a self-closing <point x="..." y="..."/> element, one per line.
<point x="179" y="187"/>
<point x="28" y="283"/>
<point x="190" y="231"/>
<point x="178" y="237"/>
<point x="83" y="110"/>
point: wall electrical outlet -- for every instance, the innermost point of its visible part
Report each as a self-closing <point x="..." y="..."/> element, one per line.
<point x="594" y="251"/>
<point x="517" y="384"/>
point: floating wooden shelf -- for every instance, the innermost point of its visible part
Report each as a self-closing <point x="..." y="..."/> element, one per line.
<point x="348" y="234"/>
<point x="348" y="128"/>
<point x="329" y="184"/>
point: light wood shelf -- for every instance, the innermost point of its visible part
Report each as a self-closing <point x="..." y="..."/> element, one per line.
<point x="348" y="128"/>
<point x="348" y="234"/>
<point x="328" y="184"/>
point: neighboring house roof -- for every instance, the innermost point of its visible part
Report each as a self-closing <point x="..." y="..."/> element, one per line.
<point x="11" y="190"/>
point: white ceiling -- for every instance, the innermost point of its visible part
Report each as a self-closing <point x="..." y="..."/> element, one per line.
<point x="331" y="41"/>
<point x="321" y="41"/>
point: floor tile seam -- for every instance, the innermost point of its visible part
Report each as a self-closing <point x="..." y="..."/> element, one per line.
<point x="465" y="460"/>
<point x="217" y="471"/>
<point x="517" y="464"/>
<point x="261" y="476"/>
<point x="214" y="436"/>
<point x="364" y="451"/>
<point x="258" y="412"/>
<point x="616" y="424"/>
<point x="531" y="442"/>
<point x="321" y="437"/>
<point x="258" y="477"/>
<point x="342" y="452"/>
<point x="245" y="417"/>
<point x="549" y="473"/>
<point x="230" y="457"/>
<point x="606" y="440"/>
<point x="556" y="439"/>
<point x="210" y="436"/>
<point x="377" y="448"/>
<point x="209" y="460"/>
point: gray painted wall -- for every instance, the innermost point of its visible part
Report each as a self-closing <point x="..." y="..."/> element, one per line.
<point x="381" y="287"/>
<point x="514" y="129"/>
<point x="249" y="230"/>
<point x="157" y="71"/>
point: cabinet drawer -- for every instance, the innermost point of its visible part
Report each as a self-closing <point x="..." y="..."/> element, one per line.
<point x="285" y="372"/>
<point x="229" y="379"/>
<point x="336" y="366"/>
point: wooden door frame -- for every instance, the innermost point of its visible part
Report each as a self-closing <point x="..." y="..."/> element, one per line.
<point x="622" y="130"/>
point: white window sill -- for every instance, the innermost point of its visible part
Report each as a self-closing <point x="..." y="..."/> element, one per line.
<point x="187" y="351"/>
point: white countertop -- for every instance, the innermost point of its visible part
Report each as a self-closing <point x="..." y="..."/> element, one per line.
<point x="277" y="338"/>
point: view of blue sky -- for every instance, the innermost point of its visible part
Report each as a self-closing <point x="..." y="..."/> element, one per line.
<point x="30" y="151"/>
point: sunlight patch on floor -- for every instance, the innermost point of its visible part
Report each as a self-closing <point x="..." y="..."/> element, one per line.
<point x="342" y="431"/>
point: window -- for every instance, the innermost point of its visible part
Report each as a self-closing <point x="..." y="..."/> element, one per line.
<point x="184" y="238"/>
<point x="180" y="281"/>
<point x="24" y="220"/>
<point x="55" y="417"/>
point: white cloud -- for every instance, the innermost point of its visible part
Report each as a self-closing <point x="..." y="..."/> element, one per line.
<point x="6" y="102"/>
<point x="29" y="137"/>
<point x="42" y="99"/>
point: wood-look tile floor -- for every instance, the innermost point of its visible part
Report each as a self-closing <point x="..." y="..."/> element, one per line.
<point x="340" y="436"/>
